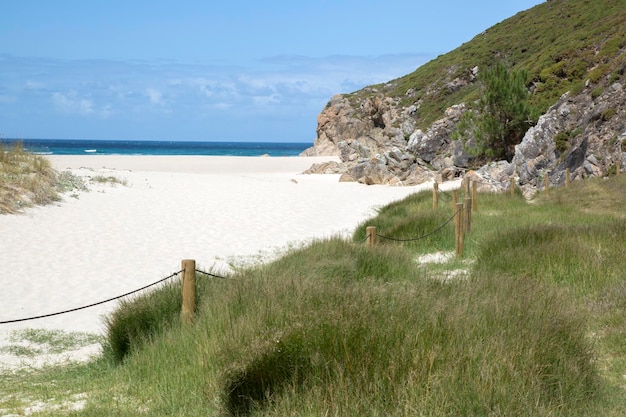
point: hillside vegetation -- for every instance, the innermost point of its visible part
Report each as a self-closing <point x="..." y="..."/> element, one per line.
<point x="529" y="322"/>
<point x="563" y="44"/>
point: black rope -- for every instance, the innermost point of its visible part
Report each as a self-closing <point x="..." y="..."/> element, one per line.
<point x="210" y="274"/>
<point x="94" y="304"/>
<point x="448" y="196"/>
<point x="421" y="237"/>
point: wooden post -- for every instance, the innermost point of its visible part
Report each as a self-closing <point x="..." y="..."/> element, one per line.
<point x="618" y="164"/>
<point x="189" y="291"/>
<point x="467" y="216"/>
<point x="455" y="198"/>
<point x="567" y="178"/>
<point x="547" y="183"/>
<point x="371" y="237"/>
<point x="512" y="186"/>
<point x="458" y="230"/>
<point x="466" y="184"/>
<point x="435" y="195"/>
<point x="474" y="196"/>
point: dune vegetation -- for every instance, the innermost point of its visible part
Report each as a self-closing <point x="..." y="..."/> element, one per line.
<point x="529" y="322"/>
<point x="27" y="179"/>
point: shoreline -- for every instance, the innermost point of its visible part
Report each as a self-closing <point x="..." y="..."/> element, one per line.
<point x="189" y="163"/>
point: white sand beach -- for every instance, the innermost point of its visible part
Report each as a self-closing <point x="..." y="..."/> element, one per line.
<point x="116" y="238"/>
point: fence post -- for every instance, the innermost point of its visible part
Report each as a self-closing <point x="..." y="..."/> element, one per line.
<point x="435" y="195"/>
<point x="458" y="230"/>
<point x="512" y="187"/>
<point x="618" y="164"/>
<point x="567" y="179"/>
<point x="189" y="291"/>
<point x="455" y="198"/>
<point x="467" y="216"/>
<point x="547" y="183"/>
<point x="370" y="233"/>
<point x="474" y="196"/>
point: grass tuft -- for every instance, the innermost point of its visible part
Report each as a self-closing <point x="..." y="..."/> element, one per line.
<point x="27" y="179"/>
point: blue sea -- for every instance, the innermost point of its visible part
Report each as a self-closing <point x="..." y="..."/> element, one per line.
<point x="141" y="147"/>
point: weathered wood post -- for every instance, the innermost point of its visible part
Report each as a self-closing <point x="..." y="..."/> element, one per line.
<point x="474" y="196"/>
<point x="618" y="164"/>
<point x="512" y="187"/>
<point x="435" y="195"/>
<point x="467" y="215"/>
<point x="371" y="237"/>
<point x="189" y="291"/>
<point x="567" y="177"/>
<point x="458" y="230"/>
<point x="466" y="185"/>
<point x="546" y="181"/>
<point x="455" y="197"/>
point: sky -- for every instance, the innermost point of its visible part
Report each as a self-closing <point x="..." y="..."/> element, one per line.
<point x="237" y="70"/>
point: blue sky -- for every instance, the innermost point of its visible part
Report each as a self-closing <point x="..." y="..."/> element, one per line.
<point x="214" y="71"/>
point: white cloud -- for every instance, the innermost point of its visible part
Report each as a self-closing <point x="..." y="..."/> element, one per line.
<point x="155" y="96"/>
<point x="223" y="106"/>
<point x="268" y="100"/>
<point x="70" y="103"/>
<point x="34" y="85"/>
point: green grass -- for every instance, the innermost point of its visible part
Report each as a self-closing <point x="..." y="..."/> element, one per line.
<point x="534" y="328"/>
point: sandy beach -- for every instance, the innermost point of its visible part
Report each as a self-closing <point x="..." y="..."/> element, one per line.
<point x="220" y="211"/>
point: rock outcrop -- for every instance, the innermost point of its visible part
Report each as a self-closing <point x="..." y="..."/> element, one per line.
<point x="378" y="142"/>
<point x="582" y="133"/>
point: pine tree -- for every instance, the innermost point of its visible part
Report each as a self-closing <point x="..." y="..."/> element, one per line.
<point x="503" y="113"/>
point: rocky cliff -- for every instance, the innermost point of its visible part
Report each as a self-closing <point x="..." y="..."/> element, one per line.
<point x="382" y="137"/>
<point x="379" y="143"/>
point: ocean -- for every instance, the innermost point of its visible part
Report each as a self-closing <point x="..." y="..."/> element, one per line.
<point x="141" y="147"/>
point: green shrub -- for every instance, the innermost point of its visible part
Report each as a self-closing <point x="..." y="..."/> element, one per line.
<point x="140" y="319"/>
<point x="597" y="73"/>
<point x="597" y="92"/>
<point x="561" y="141"/>
<point x="608" y="114"/>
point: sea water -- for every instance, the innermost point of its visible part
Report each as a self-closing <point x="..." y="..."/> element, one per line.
<point x="141" y="147"/>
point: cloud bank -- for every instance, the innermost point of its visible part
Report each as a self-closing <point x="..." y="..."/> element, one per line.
<point x="274" y="99"/>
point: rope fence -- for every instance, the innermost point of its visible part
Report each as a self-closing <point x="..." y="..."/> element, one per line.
<point x="461" y="214"/>
<point x="189" y="270"/>
<point x="109" y="299"/>
<point x="423" y="236"/>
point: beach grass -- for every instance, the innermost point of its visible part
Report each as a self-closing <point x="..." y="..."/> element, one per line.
<point x="27" y="179"/>
<point x="533" y="325"/>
